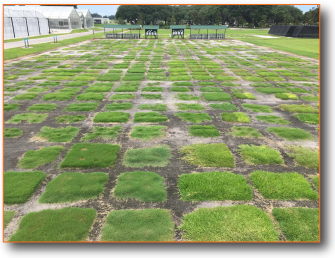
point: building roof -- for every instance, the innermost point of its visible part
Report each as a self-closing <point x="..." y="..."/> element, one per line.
<point x="22" y="13"/>
<point x="83" y="11"/>
<point x="177" y="27"/>
<point x="52" y="12"/>
<point x="151" y="27"/>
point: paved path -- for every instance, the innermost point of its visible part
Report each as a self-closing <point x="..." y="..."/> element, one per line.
<point x="45" y="40"/>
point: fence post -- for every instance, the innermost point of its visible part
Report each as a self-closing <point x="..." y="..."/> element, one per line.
<point x="12" y="26"/>
<point x="38" y="22"/>
<point x="49" y="25"/>
<point x="27" y="26"/>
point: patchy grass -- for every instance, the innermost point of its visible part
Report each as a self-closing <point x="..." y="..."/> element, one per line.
<point x="187" y="84"/>
<point x="58" y="134"/>
<point x="257" y="108"/>
<point x="236" y="117"/>
<point x="203" y="131"/>
<point x="67" y="224"/>
<point x="305" y="157"/>
<point x="111" y="117"/>
<point x="224" y="106"/>
<point x="91" y="155"/>
<point x="282" y="186"/>
<point x="74" y="186"/>
<point x="310" y="98"/>
<point x="298" y="224"/>
<point x="236" y="223"/>
<point x="26" y="96"/>
<point x="153" y="107"/>
<point x="286" y="96"/>
<point x="7" y="217"/>
<point x="29" y="117"/>
<point x="217" y="96"/>
<point x="157" y="156"/>
<point x="103" y="132"/>
<point x="59" y="96"/>
<point x="180" y="89"/>
<point x="41" y="157"/>
<point x="185" y="96"/>
<point x="90" y="96"/>
<point x="291" y="134"/>
<point x="43" y="107"/>
<point x="87" y="106"/>
<point x="194" y="117"/>
<point x="69" y="119"/>
<point x="211" y="89"/>
<point x="10" y="107"/>
<point x="270" y="90"/>
<point x="316" y="181"/>
<point x="312" y="119"/>
<point x="213" y="186"/>
<point x="261" y="84"/>
<point x="143" y="186"/>
<point x="138" y="225"/>
<point x="126" y="89"/>
<point x="263" y="155"/>
<point x="153" y="89"/>
<point x="19" y="186"/>
<point x="122" y="96"/>
<point x="244" y="131"/>
<point x="196" y="107"/>
<point x="148" y="132"/>
<point x="298" y="90"/>
<point x="119" y="106"/>
<point x="151" y="96"/>
<point x="208" y="155"/>
<point x="12" y="132"/>
<point x="154" y="117"/>
<point x="295" y="108"/>
<point x="271" y="119"/>
<point x="100" y="87"/>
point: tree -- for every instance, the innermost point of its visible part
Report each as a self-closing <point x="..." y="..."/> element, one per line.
<point x="218" y="18"/>
<point x="309" y="18"/>
<point x="140" y="19"/>
<point x="173" y="20"/>
<point x="288" y="19"/>
<point x="121" y="21"/>
<point x="263" y="21"/>
<point x="96" y="15"/>
<point x="181" y="21"/>
<point x="151" y="23"/>
<point x="169" y="21"/>
<point x="202" y="19"/>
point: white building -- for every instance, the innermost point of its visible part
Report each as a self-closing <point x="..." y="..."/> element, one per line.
<point x="86" y="18"/>
<point x="100" y="20"/>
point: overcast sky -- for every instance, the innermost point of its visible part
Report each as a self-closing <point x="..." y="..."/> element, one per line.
<point x="111" y="9"/>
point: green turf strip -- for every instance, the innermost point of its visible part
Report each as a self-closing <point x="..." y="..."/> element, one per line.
<point x="67" y="224"/>
<point x="91" y="155"/>
<point x="203" y="131"/>
<point x="19" y="186"/>
<point x="236" y="223"/>
<point x="103" y="132"/>
<point x="143" y="186"/>
<point x="148" y="132"/>
<point x="111" y="117"/>
<point x="65" y="134"/>
<point x="282" y="186"/>
<point x="213" y="186"/>
<point x="12" y="132"/>
<point x="305" y="157"/>
<point x="74" y="186"/>
<point x="291" y="134"/>
<point x="154" y="117"/>
<point x="208" y="155"/>
<point x="138" y="225"/>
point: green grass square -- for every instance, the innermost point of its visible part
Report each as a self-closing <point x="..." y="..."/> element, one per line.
<point x="303" y="156"/>
<point x="26" y="96"/>
<point x="43" y="107"/>
<point x="263" y="155"/>
<point x="138" y="225"/>
<point x="271" y="119"/>
<point x="185" y="96"/>
<point x="90" y="96"/>
<point x="208" y="155"/>
<point x="10" y="107"/>
<point x="257" y="108"/>
<point x="291" y="134"/>
<point x="282" y="186"/>
<point x="203" y="131"/>
<point x="87" y="106"/>
<point x="194" y="117"/>
<point x="244" y="131"/>
<point x="119" y="106"/>
<point x="103" y="132"/>
<point x="213" y="186"/>
<point x="19" y="186"/>
<point x="140" y="185"/>
<point x="7" y="217"/>
<point x="74" y="186"/>
<point x="12" y="132"/>
<point x="91" y="155"/>
<point x="67" y="224"/>
<point x="217" y="96"/>
<point x="296" y="108"/>
<point x="236" y="117"/>
<point x="148" y="132"/>
<point x="65" y="134"/>
<point x="60" y="96"/>
<point x="312" y="119"/>
<point x="153" y="107"/>
<point x="111" y="117"/>
<point x="154" y="117"/>
<point x="122" y="96"/>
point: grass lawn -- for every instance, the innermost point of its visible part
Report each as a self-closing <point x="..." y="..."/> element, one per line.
<point x="138" y="225"/>
<point x="208" y="155"/>
<point x="286" y="96"/>
<point x="157" y="156"/>
<point x="196" y="107"/>
<point x="282" y="186"/>
<point x="236" y="117"/>
<point x="74" y="186"/>
<point x="36" y="158"/>
<point x="7" y="217"/>
<point x="91" y="155"/>
<point x="87" y="106"/>
<point x="257" y="108"/>
<point x="26" y="96"/>
<point x="43" y="107"/>
<point x="90" y="96"/>
<point x="12" y="132"/>
<point x="151" y="96"/>
<point x="149" y="132"/>
<point x="140" y="185"/>
<point x="65" y="134"/>
<point x="312" y="119"/>
<point x="111" y="117"/>
<point x="67" y="224"/>
<point x="9" y="107"/>
<point x="185" y="96"/>
<point x="271" y="119"/>
<point x="298" y="224"/>
<point x="305" y="157"/>
<point x="103" y="132"/>
<point x="316" y="181"/>
<point x="203" y="131"/>
<point x="224" y="106"/>
<point x="194" y="117"/>
<point x="154" y="117"/>
<point x="263" y="155"/>
<point x="122" y="96"/>
<point x="244" y="131"/>
<point x="213" y="186"/>
<point x="69" y="119"/>
<point x="291" y="134"/>
<point x="217" y="96"/>
<point x="19" y="186"/>
<point x="295" y="108"/>
<point x="236" y="223"/>
<point x="119" y="106"/>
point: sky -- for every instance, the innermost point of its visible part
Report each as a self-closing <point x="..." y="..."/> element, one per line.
<point x="111" y="9"/>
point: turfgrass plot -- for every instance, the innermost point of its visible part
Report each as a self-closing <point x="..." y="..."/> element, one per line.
<point x="74" y="186"/>
<point x="19" y="186"/>
<point x="213" y="186"/>
<point x="236" y="117"/>
<point x="140" y="185"/>
<point x="148" y="132"/>
<point x="203" y="131"/>
<point x="208" y="155"/>
<point x="103" y="132"/>
<point x="236" y="223"/>
<point x="282" y="186"/>
<point x="157" y="156"/>
<point x="291" y="134"/>
<point x="263" y="154"/>
<point x="194" y="117"/>
<point x="65" y="134"/>
<point x="153" y="117"/>
<point x="91" y="155"/>
<point x="12" y="132"/>
<point x="244" y="131"/>
<point x="305" y="157"/>
<point x="138" y="225"/>
<point x="111" y="117"/>
<point x="67" y="224"/>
